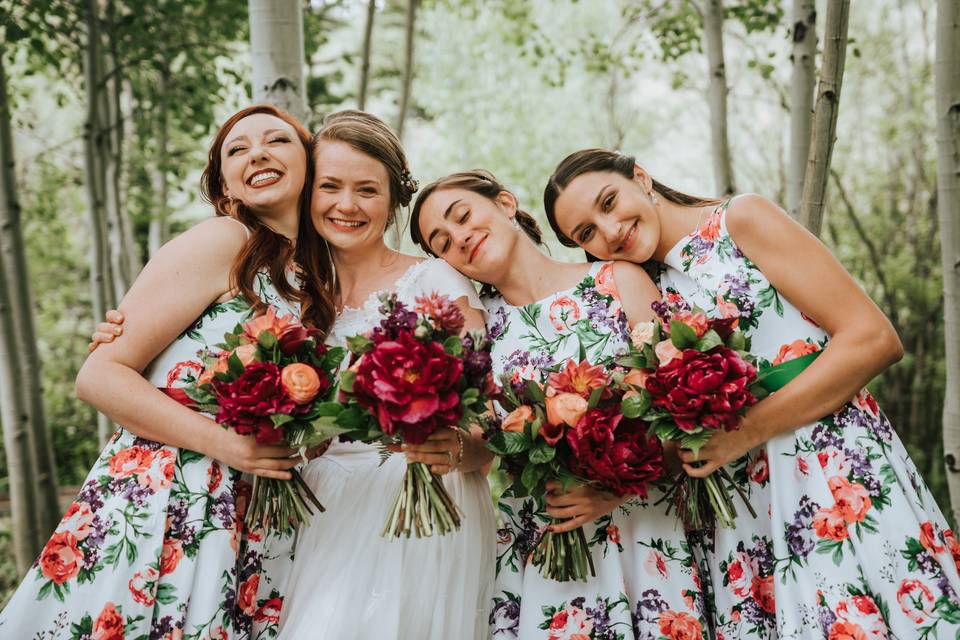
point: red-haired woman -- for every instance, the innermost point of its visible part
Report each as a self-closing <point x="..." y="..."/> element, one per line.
<point x="154" y="544"/>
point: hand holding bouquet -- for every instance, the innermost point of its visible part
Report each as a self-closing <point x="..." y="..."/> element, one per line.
<point x="270" y="380"/>
<point x="572" y="430"/>
<point x="695" y="377"/>
<point x="412" y="375"/>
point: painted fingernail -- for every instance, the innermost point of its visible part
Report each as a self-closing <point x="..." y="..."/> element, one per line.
<point x="117" y="330"/>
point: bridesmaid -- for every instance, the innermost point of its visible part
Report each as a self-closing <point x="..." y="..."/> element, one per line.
<point x="540" y="311"/>
<point x="154" y="544"/>
<point x="849" y="542"/>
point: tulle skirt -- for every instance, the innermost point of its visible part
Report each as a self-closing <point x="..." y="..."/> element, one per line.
<point x="349" y="582"/>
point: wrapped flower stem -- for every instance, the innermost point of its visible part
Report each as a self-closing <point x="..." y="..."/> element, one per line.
<point x="564" y="556"/>
<point x="422" y="507"/>
<point x="706" y="502"/>
<point x="281" y="504"/>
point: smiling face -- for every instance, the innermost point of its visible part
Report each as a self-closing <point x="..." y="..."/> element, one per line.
<point x="351" y="198"/>
<point x="471" y="232"/>
<point x="263" y="163"/>
<point x="610" y="216"/>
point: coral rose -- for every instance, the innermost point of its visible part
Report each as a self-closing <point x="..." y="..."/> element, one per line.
<point x="564" y="311"/>
<point x="637" y="377"/>
<point x="794" y="350"/>
<point x="78" y="520"/>
<point x="762" y="591"/>
<point x="61" y="559"/>
<point x="130" y="461"/>
<point x="678" y="625"/>
<point x="697" y="321"/>
<point x="830" y="525"/>
<point x="143" y="586"/>
<point x="666" y="352"/>
<point x="740" y="573"/>
<point x="247" y="594"/>
<point x="170" y="555"/>
<point x="928" y="538"/>
<point x="852" y="498"/>
<point x="843" y="630"/>
<point x="916" y="601"/>
<point x="605" y="283"/>
<point x="565" y="408"/>
<point x="517" y="419"/>
<point x="302" y="382"/>
<point x="109" y="624"/>
<point x="246" y="353"/>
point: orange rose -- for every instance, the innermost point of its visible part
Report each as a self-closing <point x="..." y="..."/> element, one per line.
<point x="606" y="286"/>
<point x="143" y="586"/>
<point x="843" y="630"/>
<point x="829" y="524"/>
<point x="852" y="499"/>
<point x="928" y="538"/>
<point x="565" y="408"/>
<point x="666" y="351"/>
<point x="637" y="377"/>
<point x="160" y="474"/>
<point x="677" y="625"/>
<point x="109" y="624"/>
<point x="697" y="321"/>
<point x="131" y="461"/>
<point x="61" y="559"/>
<point x="247" y="595"/>
<point x="516" y="419"/>
<point x="301" y="382"/>
<point x="794" y="350"/>
<point x="170" y="555"/>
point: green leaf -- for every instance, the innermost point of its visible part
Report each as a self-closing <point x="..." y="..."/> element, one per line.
<point x="235" y="365"/>
<point x="187" y="456"/>
<point x="532" y="475"/>
<point x="324" y="428"/>
<point x="280" y="419"/>
<point x="329" y="409"/>
<point x="695" y="441"/>
<point x="507" y="443"/>
<point x="453" y="345"/>
<point x="347" y="379"/>
<point x="682" y="336"/>
<point x="534" y="391"/>
<point x="594" y="398"/>
<point x="737" y="341"/>
<point x="635" y="406"/>
<point x="708" y="341"/>
<point x="166" y="593"/>
<point x="542" y="453"/>
<point x="352" y="418"/>
<point x="359" y="344"/>
<point x="333" y="358"/>
<point x="267" y="340"/>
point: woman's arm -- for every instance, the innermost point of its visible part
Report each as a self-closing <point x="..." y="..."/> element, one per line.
<point x="174" y="288"/>
<point x="862" y="341"/>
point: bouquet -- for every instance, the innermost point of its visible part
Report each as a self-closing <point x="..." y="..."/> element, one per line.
<point x="270" y="379"/>
<point x="412" y="375"/>
<point x="573" y="429"/>
<point x="695" y="377"/>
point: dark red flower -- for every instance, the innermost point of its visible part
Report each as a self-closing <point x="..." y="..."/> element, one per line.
<point x="724" y="326"/>
<point x="615" y="452"/>
<point x="410" y="386"/>
<point x="707" y="389"/>
<point x="293" y="339"/>
<point x="247" y="403"/>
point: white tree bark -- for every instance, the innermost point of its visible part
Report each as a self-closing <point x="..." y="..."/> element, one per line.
<point x="276" y="42"/>
<point x="717" y="96"/>
<point x="407" y="87"/>
<point x="365" y="55"/>
<point x="802" y="83"/>
<point x="947" y="81"/>
<point x="825" y="114"/>
<point x="14" y="411"/>
<point x="160" y="217"/>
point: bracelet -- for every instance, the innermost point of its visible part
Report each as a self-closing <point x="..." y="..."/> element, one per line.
<point x="459" y="447"/>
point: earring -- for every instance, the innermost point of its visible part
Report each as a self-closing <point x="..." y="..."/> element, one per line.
<point x="516" y="225"/>
<point x="654" y="199"/>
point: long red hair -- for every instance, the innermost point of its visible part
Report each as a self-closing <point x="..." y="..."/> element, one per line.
<point x="267" y="250"/>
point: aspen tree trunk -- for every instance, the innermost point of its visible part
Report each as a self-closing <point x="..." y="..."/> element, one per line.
<point x="409" y="37"/>
<point x="947" y="81"/>
<point x="825" y="114"/>
<point x="717" y="97"/>
<point x="802" y="85"/>
<point x="14" y="269"/>
<point x="365" y="55"/>
<point x="276" y="42"/>
<point x="159" y="219"/>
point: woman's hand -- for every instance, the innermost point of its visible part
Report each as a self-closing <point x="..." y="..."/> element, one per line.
<point x="581" y="505"/>
<point x="244" y="454"/>
<point x="441" y="451"/>
<point x="722" y="447"/>
<point x="107" y="331"/>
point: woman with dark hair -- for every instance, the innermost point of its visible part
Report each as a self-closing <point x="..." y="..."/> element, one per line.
<point x="849" y="541"/>
<point x="542" y="312"/>
<point x="154" y="545"/>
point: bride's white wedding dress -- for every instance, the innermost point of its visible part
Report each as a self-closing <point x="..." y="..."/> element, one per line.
<point x="347" y="580"/>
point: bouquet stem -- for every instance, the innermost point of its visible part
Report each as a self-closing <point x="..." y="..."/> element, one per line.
<point x="564" y="556"/>
<point x="281" y="504"/>
<point x="423" y="506"/>
<point x="706" y="502"/>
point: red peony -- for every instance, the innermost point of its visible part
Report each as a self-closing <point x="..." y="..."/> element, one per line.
<point x="247" y="403"/>
<point x="109" y="624"/>
<point x="410" y="386"/>
<point x="615" y="452"/>
<point x="61" y="559"/>
<point x="763" y="593"/>
<point x="706" y="389"/>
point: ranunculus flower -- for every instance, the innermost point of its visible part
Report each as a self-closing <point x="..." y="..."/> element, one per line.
<point x="61" y="559"/>
<point x="442" y="312"/>
<point x="78" y="520"/>
<point x="411" y="387"/>
<point x="269" y="611"/>
<point x="697" y="321"/>
<point x="794" y="350"/>
<point x="678" y="625"/>
<point x="130" y="461"/>
<point x="852" y="498"/>
<point x="706" y="389"/>
<point x="109" y="624"/>
<point x="302" y="382"/>
<point x="247" y="594"/>
<point x="615" y="452"/>
<point x="170" y="555"/>
<point x="565" y="408"/>
<point x="642" y="334"/>
<point x="516" y="419"/>
<point x="666" y="352"/>
<point x="580" y="378"/>
<point x="247" y="403"/>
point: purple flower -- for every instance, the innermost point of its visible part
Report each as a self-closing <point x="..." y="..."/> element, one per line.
<point x="398" y="318"/>
<point x="136" y="494"/>
<point x="823" y="436"/>
<point x="735" y="284"/>
<point x="177" y="515"/>
<point x="224" y="509"/>
<point x="698" y="246"/>
<point x="91" y="494"/>
<point x="499" y="325"/>
<point x="799" y="535"/>
<point x="505" y="617"/>
<point x="476" y="366"/>
<point x="827" y="618"/>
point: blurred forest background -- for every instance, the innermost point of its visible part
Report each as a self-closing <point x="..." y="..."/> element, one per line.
<point x="112" y="104"/>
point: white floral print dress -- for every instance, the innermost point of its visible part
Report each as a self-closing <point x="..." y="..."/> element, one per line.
<point x="348" y="581"/>
<point x="848" y="542"/>
<point x="647" y="585"/>
<point x="154" y="544"/>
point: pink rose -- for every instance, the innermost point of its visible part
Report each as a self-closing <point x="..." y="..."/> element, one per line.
<point x="666" y="352"/>
<point x="565" y="408"/>
<point x="516" y="420"/>
<point x="247" y="353"/>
